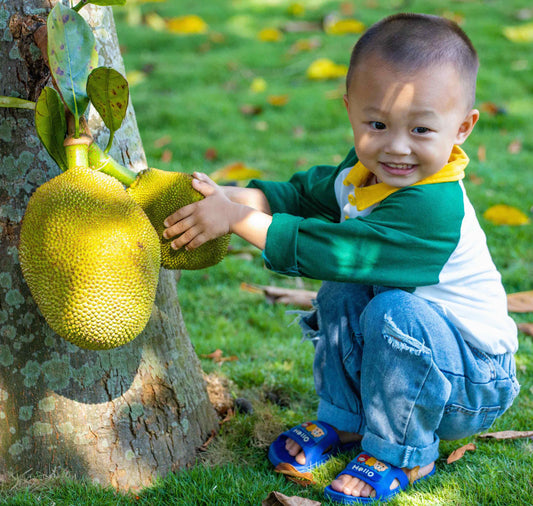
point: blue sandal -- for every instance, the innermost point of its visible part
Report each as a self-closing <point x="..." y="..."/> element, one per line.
<point x="318" y="440"/>
<point x="377" y="474"/>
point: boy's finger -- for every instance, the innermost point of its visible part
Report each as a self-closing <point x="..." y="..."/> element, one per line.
<point x="184" y="239"/>
<point x="206" y="188"/>
<point x="180" y="214"/>
<point x="178" y="228"/>
<point x="196" y="242"/>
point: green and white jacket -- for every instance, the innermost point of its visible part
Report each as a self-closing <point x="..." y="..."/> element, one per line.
<point x="424" y="238"/>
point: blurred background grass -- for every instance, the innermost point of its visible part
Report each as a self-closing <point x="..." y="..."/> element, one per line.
<point x="189" y="92"/>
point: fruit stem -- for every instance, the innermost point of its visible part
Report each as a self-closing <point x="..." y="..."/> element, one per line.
<point x="102" y="162"/>
<point x="77" y="151"/>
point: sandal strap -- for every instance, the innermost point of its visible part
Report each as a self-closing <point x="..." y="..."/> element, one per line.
<point x="313" y="436"/>
<point x="379" y="475"/>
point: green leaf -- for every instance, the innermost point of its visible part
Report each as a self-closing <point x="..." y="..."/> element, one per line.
<point x="18" y="103"/>
<point x="72" y="56"/>
<point x="109" y="92"/>
<point x="51" y="125"/>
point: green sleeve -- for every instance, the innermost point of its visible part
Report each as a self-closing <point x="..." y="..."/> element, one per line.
<point x="309" y="194"/>
<point x="404" y="242"/>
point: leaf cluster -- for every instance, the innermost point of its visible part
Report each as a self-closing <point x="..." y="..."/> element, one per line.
<point x="72" y="60"/>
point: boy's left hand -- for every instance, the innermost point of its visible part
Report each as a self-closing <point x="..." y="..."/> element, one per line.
<point x="201" y="221"/>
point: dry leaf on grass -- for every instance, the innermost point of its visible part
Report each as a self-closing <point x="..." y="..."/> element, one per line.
<point x="206" y="444"/>
<point x="459" y="453"/>
<point x="526" y="328"/>
<point x="520" y="302"/>
<point x="482" y="153"/>
<point x="162" y="141"/>
<point x="304" y="479"/>
<point x="279" y="499"/>
<point x="277" y="295"/>
<point x="217" y="356"/>
<point x="508" y="434"/>
<point x="166" y="156"/>
<point x="211" y="154"/>
<point x="515" y="147"/>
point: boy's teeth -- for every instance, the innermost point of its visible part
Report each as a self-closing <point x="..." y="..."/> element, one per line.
<point x="400" y="165"/>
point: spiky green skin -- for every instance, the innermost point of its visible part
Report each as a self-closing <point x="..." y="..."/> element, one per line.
<point x="160" y="193"/>
<point x="91" y="259"/>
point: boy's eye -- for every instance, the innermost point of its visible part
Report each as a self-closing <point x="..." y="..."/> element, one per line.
<point x="377" y="125"/>
<point x="420" y="130"/>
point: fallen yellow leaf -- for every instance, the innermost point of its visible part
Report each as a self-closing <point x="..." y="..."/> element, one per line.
<point x="344" y="26"/>
<point x="270" y="35"/>
<point x="502" y="214"/>
<point x="323" y="68"/>
<point x="278" y="100"/>
<point x="304" y="45"/>
<point x="155" y="21"/>
<point x="296" y="9"/>
<point x="187" y="25"/>
<point x="258" y="85"/>
<point x="453" y="16"/>
<point x="135" y="77"/>
<point x="522" y="33"/>
<point x="237" y="171"/>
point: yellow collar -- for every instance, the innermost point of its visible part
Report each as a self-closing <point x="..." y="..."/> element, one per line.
<point x="366" y="196"/>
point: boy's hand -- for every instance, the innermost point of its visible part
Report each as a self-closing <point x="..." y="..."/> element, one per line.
<point x="201" y="221"/>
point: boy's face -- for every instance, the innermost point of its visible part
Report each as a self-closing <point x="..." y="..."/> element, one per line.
<point x="405" y="124"/>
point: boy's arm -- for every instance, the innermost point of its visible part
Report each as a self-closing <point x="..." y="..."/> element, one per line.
<point x="251" y="197"/>
<point x="404" y="242"/>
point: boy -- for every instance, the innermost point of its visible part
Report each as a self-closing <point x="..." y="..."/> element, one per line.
<point x="412" y="336"/>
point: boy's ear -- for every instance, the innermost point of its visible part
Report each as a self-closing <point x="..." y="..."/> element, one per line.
<point x="467" y="126"/>
<point x="345" y="98"/>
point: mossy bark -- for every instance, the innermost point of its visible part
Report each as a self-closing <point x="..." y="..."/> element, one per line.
<point x="120" y="417"/>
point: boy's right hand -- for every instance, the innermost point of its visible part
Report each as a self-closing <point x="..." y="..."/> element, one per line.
<point x="202" y="221"/>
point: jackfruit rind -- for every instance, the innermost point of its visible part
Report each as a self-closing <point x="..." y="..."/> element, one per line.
<point x="90" y="258"/>
<point x="160" y="193"/>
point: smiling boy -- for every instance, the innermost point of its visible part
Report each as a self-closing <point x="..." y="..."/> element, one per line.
<point x="412" y="338"/>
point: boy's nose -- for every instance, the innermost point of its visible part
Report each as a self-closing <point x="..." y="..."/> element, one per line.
<point x="398" y="145"/>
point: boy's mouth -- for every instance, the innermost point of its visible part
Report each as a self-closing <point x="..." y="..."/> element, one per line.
<point x="398" y="169"/>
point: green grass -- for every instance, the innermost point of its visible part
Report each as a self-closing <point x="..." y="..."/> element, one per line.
<point x="193" y="93"/>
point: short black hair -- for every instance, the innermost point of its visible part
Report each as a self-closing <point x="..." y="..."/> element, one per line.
<point x="412" y="42"/>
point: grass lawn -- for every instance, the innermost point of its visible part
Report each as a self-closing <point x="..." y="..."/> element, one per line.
<point x="189" y="105"/>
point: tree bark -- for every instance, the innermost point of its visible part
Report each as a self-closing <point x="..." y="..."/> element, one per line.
<point x="120" y="417"/>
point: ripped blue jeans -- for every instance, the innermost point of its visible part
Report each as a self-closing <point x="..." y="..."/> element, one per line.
<point x="390" y="366"/>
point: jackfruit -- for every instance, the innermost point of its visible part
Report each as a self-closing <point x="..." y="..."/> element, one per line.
<point x="90" y="257"/>
<point x="160" y="193"/>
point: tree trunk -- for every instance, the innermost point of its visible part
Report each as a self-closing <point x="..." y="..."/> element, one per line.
<point x="119" y="417"/>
